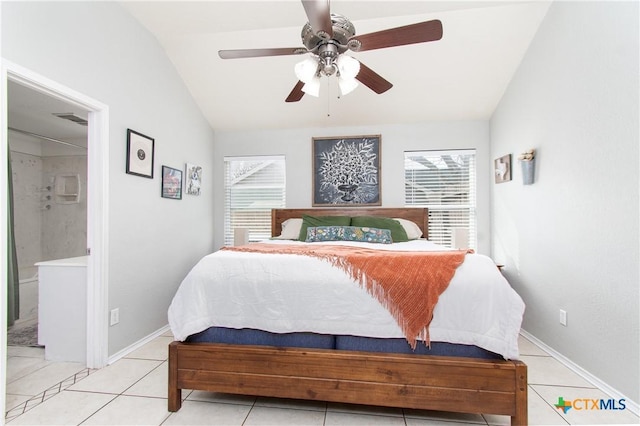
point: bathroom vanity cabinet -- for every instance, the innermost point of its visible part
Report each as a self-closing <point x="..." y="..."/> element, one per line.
<point x="62" y="309"/>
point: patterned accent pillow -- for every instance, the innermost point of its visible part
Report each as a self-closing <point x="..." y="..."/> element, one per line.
<point x="398" y="233"/>
<point x="348" y="233"/>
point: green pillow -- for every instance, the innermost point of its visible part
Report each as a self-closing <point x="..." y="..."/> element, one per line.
<point x="398" y="234"/>
<point x="315" y="221"/>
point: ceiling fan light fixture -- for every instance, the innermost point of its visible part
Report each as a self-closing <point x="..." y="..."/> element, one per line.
<point x="347" y="85"/>
<point x="348" y="67"/>
<point x="312" y="87"/>
<point x="306" y="70"/>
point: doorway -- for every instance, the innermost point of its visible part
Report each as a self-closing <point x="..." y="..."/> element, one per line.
<point x="48" y="153"/>
<point x="97" y="206"/>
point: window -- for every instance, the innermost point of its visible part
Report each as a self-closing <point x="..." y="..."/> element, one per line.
<point x="444" y="182"/>
<point x="253" y="186"/>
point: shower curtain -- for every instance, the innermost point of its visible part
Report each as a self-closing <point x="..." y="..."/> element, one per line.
<point x="13" y="281"/>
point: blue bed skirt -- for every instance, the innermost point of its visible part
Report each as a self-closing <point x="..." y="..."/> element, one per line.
<point x="248" y="336"/>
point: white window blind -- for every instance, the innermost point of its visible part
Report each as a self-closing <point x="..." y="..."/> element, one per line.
<point x="444" y="182"/>
<point x="253" y="186"/>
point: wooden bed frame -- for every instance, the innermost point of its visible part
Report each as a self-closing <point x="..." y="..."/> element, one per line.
<point x="464" y="385"/>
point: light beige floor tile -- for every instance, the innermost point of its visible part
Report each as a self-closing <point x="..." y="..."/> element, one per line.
<point x="526" y="347"/>
<point x="157" y="349"/>
<point x="342" y="418"/>
<point x="154" y="384"/>
<point x="283" y="417"/>
<point x="444" y="416"/>
<point x="208" y="413"/>
<point x="549" y="371"/>
<point x="66" y="408"/>
<point x="540" y="413"/>
<point x="131" y="410"/>
<point x="44" y="378"/>
<point x="299" y="404"/>
<point x="364" y="409"/>
<point x="19" y="367"/>
<point x="226" y="398"/>
<point x="431" y="422"/>
<point x="12" y="401"/>
<point x="117" y="377"/>
<point x="27" y="351"/>
<point x="583" y="414"/>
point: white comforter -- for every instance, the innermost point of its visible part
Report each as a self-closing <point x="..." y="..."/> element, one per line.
<point x="292" y="293"/>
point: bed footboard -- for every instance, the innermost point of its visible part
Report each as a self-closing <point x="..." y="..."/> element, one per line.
<point x="423" y="382"/>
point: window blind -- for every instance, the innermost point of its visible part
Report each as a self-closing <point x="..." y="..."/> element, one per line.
<point x="253" y="186"/>
<point x="445" y="183"/>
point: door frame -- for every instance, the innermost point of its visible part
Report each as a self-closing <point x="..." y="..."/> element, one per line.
<point x="97" y="209"/>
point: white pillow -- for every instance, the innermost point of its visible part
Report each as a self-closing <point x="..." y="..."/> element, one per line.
<point x="411" y="228"/>
<point x="290" y="230"/>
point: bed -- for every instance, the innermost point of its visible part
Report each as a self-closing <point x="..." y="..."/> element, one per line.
<point x="464" y="383"/>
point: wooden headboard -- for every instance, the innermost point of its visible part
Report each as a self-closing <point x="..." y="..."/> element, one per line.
<point x="415" y="214"/>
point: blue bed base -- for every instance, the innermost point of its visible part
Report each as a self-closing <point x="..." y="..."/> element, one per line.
<point x="248" y="336"/>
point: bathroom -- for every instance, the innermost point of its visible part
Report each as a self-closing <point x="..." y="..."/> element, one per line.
<point x="48" y="151"/>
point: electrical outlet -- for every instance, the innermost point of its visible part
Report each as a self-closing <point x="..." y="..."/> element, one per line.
<point x="115" y="316"/>
<point x="563" y="317"/>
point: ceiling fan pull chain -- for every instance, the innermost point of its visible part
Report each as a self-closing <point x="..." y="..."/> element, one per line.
<point x="328" y="98"/>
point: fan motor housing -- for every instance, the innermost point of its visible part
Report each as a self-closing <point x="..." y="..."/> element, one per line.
<point x="343" y="30"/>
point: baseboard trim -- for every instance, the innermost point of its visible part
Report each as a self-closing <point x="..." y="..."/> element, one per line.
<point x="126" y="351"/>
<point x="631" y="405"/>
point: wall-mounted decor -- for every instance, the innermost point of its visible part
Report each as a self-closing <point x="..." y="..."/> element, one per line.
<point x="171" y="183"/>
<point x="193" y="179"/>
<point x="346" y="170"/>
<point x="502" y="168"/>
<point x="139" y="154"/>
<point x="528" y="163"/>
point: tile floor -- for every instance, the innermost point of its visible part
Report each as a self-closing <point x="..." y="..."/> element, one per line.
<point x="133" y="391"/>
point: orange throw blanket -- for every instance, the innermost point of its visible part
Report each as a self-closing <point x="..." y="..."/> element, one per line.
<point x="407" y="283"/>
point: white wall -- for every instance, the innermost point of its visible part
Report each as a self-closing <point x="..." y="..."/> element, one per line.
<point x="296" y="146"/>
<point x="570" y="240"/>
<point x="99" y="50"/>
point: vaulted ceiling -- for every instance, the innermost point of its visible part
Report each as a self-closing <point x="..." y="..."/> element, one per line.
<point x="460" y="77"/>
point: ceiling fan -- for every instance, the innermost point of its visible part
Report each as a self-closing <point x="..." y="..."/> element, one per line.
<point x="327" y="37"/>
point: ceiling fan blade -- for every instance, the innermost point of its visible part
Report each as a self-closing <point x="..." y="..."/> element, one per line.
<point x="319" y="17"/>
<point x="372" y="79"/>
<point x="296" y="94"/>
<point x="254" y="53"/>
<point x="410" y="34"/>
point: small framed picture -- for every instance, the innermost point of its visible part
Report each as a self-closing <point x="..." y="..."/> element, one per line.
<point x="502" y="168"/>
<point x="139" y="154"/>
<point x="193" y="179"/>
<point x="171" y="183"/>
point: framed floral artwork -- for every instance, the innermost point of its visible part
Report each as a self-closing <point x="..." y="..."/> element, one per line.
<point x="346" y="170"/>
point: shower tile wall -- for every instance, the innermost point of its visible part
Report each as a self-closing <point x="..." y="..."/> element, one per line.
<point x="42" y="233"/>
<point x="28" y="201"/>
<point x="64" y="226"/>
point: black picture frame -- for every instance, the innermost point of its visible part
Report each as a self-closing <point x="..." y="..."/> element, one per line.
<point x="171" y="183"/>
<point x="346" y="171"/>
<point x="140" y="153"/>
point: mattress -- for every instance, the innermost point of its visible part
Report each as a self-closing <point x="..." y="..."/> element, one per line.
<point x="284" y="293"/>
